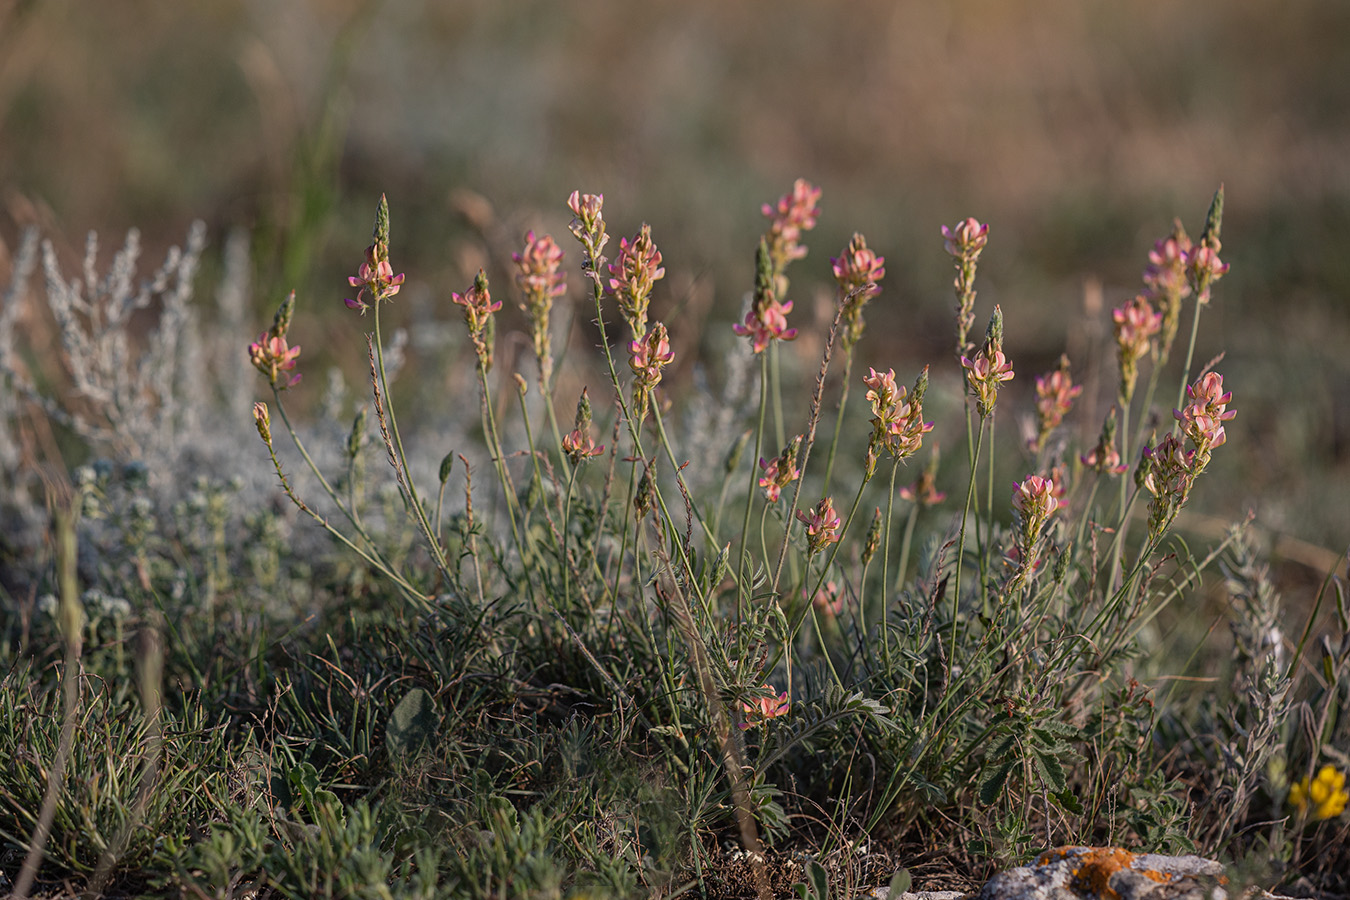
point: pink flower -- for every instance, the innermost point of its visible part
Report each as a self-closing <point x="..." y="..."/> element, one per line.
<point x="1055" y="393"/>
<point x="478" y="309"/>
<point x="966" y="240"/>
<point x="587" y="209"/>
<point x="634" y="273"/>
<point x="780" y="471"/>
<point x="1103" y="458"/>
<point x="1170" y="470"/>
<point x="1165" y="273"/>
<point x="765" y="708"/>
<point x="1204" y="267"/>
<point x="985" y="373"/>
<point x="923" y="492"/>
<point x="768" y="323"/>
<point x="588" y="227"/>
<point x="271" y="356"/>
<point x="858" y="267"/>
<point x="822" y="525"/>
<point x="538" y="269"/>
<point x="795" y="213"/>
<point x="649" y="355"/>
<point x="1136" y="324"/>
<point x="1034" y="497"/>
<point x="897" y="415"/>
<point x="1202" y="419"/>
<point x="375" y="278"/>
<point x="579" y="446"/>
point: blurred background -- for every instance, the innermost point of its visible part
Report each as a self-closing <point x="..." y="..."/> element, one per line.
<point x="1077" y="128"/>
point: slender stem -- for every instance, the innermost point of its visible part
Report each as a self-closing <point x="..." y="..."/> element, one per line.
<point x="1190" y="356"/>
<point x="839" y="421"/>
<point x="885" y="548"/>
<point x="754" y="482"/>
<point x="905" y="544"/>
<point x="986" y="546"/>
<point x="1123" y="524"/>
<point x="961" y="541"/>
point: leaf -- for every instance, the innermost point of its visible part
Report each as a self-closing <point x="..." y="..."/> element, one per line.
<point x="818" y="880"/>
<point x="411" y="722"/>
<point x="992" y="781"/>
<point x="1051" y="771"/>
<point x="901" y="882"/>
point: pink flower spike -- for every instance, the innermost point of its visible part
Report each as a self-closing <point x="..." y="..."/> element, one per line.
<point x="822" y="525"/>
<point x="272" y="356"/>
<point x="966" y="240"/>
<point x="1035" y="496"/>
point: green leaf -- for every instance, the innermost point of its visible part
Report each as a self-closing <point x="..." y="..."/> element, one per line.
<point x="412" y="721"/>
<point x="901" y="882"/>
<point x="1051" y="771"/>
<point x="992" y="781"/>
<point x="818" y="880"/>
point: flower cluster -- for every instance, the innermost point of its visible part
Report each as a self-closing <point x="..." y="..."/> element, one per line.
<point x="478" y="309"/>
<point x="588" y="227"/>
<point x="1136" y="324"/>
<point x="1034" y="499"/>
<point x="1165" y="277"/>
<point x="1202" y="419"/>
<point x="822" y="525"/>
<point x="1055" y="393"/>
<point x="989" y="368"/>
<point x="764" y="708"/>
<point x="647" y="356"/>
<point x="897" y="416"/>
<point x="578" y="444"/>
<point x="796" y="212"/>
<point x="1104" y="458"/>
<point x="375" y="278"/>
<point x="923" y="492"/>
<point x="780" y="471"/>
<point x="767" y="319"/>
<point x="632" y="276"/>
<point x="965" y="242"/>
<point x="857" y="271"/>
<point x="271" y="354"/>
<point x="1168" y="473"/>
<point x="1326" y="794"/>
<point x="541" y="280"/>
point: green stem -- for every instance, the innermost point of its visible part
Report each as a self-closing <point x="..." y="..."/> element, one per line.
<point x="961" y="541"/>
<point x="885" y="550"/>
<point x="839" y="421"/>
<point x="754" y="483"/>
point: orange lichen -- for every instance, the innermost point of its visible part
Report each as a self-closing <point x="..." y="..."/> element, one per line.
<point x="1094" y="866"/>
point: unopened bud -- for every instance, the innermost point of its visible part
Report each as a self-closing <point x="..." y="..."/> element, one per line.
<point x="262" y="418"/>
<point x="281" y="322"/>
<point x="357" y="433"/>
<point x="447" y="462"/>
<point x="873" y="540"/>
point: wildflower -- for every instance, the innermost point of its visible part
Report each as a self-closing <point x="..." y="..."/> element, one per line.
<point x="1326" y="794"/>
<point x="635" y="271"/>
<point x="822" y="525"/>
<point x="1104" y="458"/>
<point x="375" y="279"/>
<point x="897" y="416"/>
<point x="588" y="227"/>
<point x="541" y="281"/>
<point x="965" y="242"/>
<point x="1055" y="393"/>
<point x="765" y="708"/>
<point x="924" y="492"/>
<point x="478" y="309"/>
<point x="1203" y="268"/>
<point x="1202" y="420"/>
<point x="578" y="444"/>
<point x="857" y="271"/>
<point x="767" y="319"/>
<point x="272" y="356"/>
<point x="795" y="213"/>
<point x="1034" y="500"/>
<point x="1165" y="276"/>
<point x="1136" y="324"/>
<point x="780" y="471"/>
<point x="1168" y="474"/>
<point x="829" y="600"/>
<point x="989" y="368"/>
<point x="647" y="356"/>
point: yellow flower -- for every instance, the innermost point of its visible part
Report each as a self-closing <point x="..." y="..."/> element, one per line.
<point x="1327" y="794"/>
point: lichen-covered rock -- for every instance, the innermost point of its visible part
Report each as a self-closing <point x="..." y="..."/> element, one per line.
<point x="1108" y="873"/>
